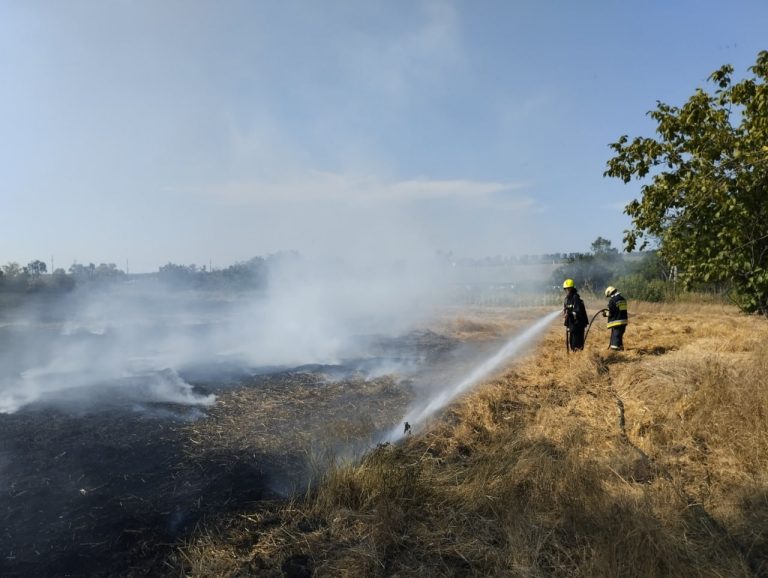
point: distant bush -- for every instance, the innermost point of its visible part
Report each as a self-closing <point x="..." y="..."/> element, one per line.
<point x="33" y="279"/>
<point x="635" y="286"/>
<point x="591" y="271"/>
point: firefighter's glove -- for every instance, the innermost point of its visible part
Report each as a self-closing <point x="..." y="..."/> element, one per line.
<point x="605" y="313"/>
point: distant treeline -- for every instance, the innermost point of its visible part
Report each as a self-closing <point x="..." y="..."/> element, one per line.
<point x="250" y="274"/>
<point x="646" y="277"/>
<point x="503" y="260"/>
<point x="34" y="277"/>
<point x="643" y="276"/>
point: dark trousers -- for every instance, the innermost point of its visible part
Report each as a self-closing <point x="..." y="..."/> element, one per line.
<point x="576" y="338"/>
<point x="617" y="337"/>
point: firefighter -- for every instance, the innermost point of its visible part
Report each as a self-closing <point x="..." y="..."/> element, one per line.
<point x="575" y="315"/>
<point x="617" y="317"/>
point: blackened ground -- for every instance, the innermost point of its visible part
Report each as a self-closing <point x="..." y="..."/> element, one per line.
<point x="113" y="492"/>
<point x="108" y="493"/>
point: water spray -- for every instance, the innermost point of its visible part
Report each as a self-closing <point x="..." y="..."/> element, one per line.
<point x="416" y="417"/>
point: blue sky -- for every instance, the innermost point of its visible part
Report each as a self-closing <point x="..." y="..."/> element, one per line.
<point x="152" y="131"/>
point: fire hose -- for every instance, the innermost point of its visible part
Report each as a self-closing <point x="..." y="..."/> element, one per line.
<point x="586" y="334"/>
<point x="590" y="324"/>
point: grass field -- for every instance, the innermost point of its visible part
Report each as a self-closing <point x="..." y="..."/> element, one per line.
<point x="647" y="462"/>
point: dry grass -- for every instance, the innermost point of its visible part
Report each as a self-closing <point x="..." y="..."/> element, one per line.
<point x="648" y="462"/>
<point x="485" y="323"/>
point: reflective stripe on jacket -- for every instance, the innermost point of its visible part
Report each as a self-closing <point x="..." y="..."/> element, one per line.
<point x="617" y="311"/>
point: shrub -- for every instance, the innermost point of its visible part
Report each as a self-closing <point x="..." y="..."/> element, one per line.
<point x="637" y="287"/>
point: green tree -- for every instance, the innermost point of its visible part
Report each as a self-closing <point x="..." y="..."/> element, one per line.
<point x="36" y="268"/>
<point x="12" y="270"/>
<point x="106" y="271"/>
<point x="60" y="280"/>
<point x="602" y="246"/>
<point x="592" y="271"/>
<point x="706" y="201"/>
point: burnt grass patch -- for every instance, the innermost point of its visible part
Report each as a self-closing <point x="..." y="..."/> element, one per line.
<point x="108" y="493"/>
<point x="110" y="487"/>
<point x="113" y="492"/>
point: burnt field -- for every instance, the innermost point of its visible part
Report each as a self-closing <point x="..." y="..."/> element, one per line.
<point x="114" y="486"/>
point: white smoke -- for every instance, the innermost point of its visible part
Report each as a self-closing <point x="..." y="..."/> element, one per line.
<point x="132" y="342"/>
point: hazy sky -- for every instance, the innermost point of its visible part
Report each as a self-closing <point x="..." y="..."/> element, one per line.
<point x="197" y="131"/>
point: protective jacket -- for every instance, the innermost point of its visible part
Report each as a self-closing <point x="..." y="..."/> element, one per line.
<point x="575" y="312"/>
<point x="617" y="311"/>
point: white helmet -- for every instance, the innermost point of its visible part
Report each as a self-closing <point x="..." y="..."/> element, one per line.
<point x="610" y="291"/>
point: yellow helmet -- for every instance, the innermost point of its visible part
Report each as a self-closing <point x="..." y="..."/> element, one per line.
<point x="610" y="291"/>
<point x="568" y="284"/>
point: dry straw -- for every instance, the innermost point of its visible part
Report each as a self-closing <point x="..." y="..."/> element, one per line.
<point x="648" y="462"/>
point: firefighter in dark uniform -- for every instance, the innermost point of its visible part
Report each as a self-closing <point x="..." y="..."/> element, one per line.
<point x="617" y="317"/>
<point x="575" y="315"/>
